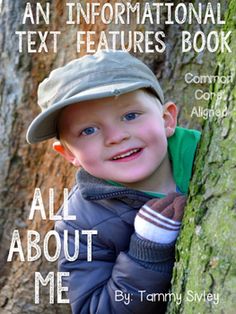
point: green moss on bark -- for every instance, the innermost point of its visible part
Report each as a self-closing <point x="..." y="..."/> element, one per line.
<point x="206" y="252"/>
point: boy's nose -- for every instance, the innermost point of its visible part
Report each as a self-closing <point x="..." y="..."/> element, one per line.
<point x="115" y="135"/>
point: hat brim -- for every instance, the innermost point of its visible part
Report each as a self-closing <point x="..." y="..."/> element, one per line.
<point x="43" y="127"/>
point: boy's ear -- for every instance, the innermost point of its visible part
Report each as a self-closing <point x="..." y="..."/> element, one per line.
<point x="59" y="148"/>
<point x="170" y="114"/>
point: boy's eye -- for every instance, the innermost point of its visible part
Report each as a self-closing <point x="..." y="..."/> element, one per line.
<point x="89" y="131"/>
<point x="130" y="116"/>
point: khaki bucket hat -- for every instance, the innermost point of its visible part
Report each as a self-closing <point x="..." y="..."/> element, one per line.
<point x="104" y="74"/>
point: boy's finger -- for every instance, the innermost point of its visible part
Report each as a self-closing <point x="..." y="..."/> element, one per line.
<point x="160" y="204"/>
<point x="179" y="202"/>
<point x="168" y="212"/>
<point x="174" y="210"/>
<point x="178" y="206"/>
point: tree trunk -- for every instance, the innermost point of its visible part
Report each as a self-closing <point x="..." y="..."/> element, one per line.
<point x="206" y="253"/>
<point x="24" y="167"/>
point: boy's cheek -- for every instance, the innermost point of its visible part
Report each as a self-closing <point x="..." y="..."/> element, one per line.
<point x="89" y="162"/>
<point x="156" y="136"/>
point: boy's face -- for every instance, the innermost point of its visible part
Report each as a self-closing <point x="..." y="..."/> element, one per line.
<point x="123" y="139"/>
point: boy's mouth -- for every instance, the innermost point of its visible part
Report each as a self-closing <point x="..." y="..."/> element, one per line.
<point x="127" y="155"/>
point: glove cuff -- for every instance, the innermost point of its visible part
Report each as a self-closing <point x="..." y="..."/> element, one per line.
<point x="155" y="227"/>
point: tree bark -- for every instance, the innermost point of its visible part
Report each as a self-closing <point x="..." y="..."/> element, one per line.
<point x="24" y="167"/>
<point x="206" y="248"/>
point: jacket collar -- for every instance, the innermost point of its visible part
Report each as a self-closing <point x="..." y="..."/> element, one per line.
<point x="181" y="148"/>
<point x="93" y="188"/>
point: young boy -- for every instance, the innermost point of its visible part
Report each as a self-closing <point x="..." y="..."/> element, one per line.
<point x="107" y="111"/>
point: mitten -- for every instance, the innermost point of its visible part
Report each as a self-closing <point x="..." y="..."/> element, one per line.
<point x="159" y="220"/>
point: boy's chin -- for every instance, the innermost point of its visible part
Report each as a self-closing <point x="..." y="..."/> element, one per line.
<point x="131" y="180"/>
<point x="126" y="179"/>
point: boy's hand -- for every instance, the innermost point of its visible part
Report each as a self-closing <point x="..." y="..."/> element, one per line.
<point x="159" y="220"/>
